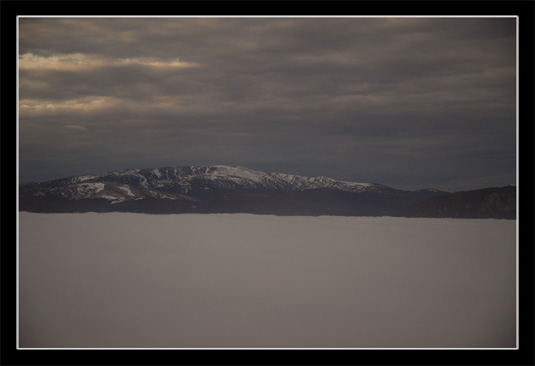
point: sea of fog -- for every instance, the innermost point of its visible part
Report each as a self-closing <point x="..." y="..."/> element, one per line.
<point x="120" y="280"/>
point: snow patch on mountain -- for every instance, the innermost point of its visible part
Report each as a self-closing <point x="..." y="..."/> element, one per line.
<point x="83" y="178"/>
<point x="126" y="190"/>
<point x="157" y="173"/>
<point x="108" y="197"/>
<point x="76" y="191"/>
<point x="303" y="183"/>
<point x="239" y="172"/>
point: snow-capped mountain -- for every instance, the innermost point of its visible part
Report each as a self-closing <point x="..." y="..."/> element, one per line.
<point x="217" y="189"/>
<point x="182" y="182"/>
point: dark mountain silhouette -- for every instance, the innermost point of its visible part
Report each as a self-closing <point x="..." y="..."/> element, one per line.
<point x="225" y="189"/>
<point x="499" y="203"/>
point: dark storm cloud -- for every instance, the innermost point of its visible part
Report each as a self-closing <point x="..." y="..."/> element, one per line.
<point x="408" y="102"/>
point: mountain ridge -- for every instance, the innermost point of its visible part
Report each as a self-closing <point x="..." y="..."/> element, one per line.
<point x="219" y="189"/>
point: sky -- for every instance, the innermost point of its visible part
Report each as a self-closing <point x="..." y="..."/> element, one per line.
<point x="411" y="103"/>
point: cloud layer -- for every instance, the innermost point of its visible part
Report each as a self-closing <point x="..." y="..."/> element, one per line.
<point x="407" y="102"/>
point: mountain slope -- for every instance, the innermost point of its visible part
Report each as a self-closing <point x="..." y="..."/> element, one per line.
<point x="499" y="202"/>
<point x="220" y="189"/>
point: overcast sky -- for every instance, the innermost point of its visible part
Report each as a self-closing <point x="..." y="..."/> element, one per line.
<point x="407" y="102"/>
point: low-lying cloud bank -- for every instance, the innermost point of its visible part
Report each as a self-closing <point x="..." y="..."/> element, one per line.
<point x="239" y="281"/>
